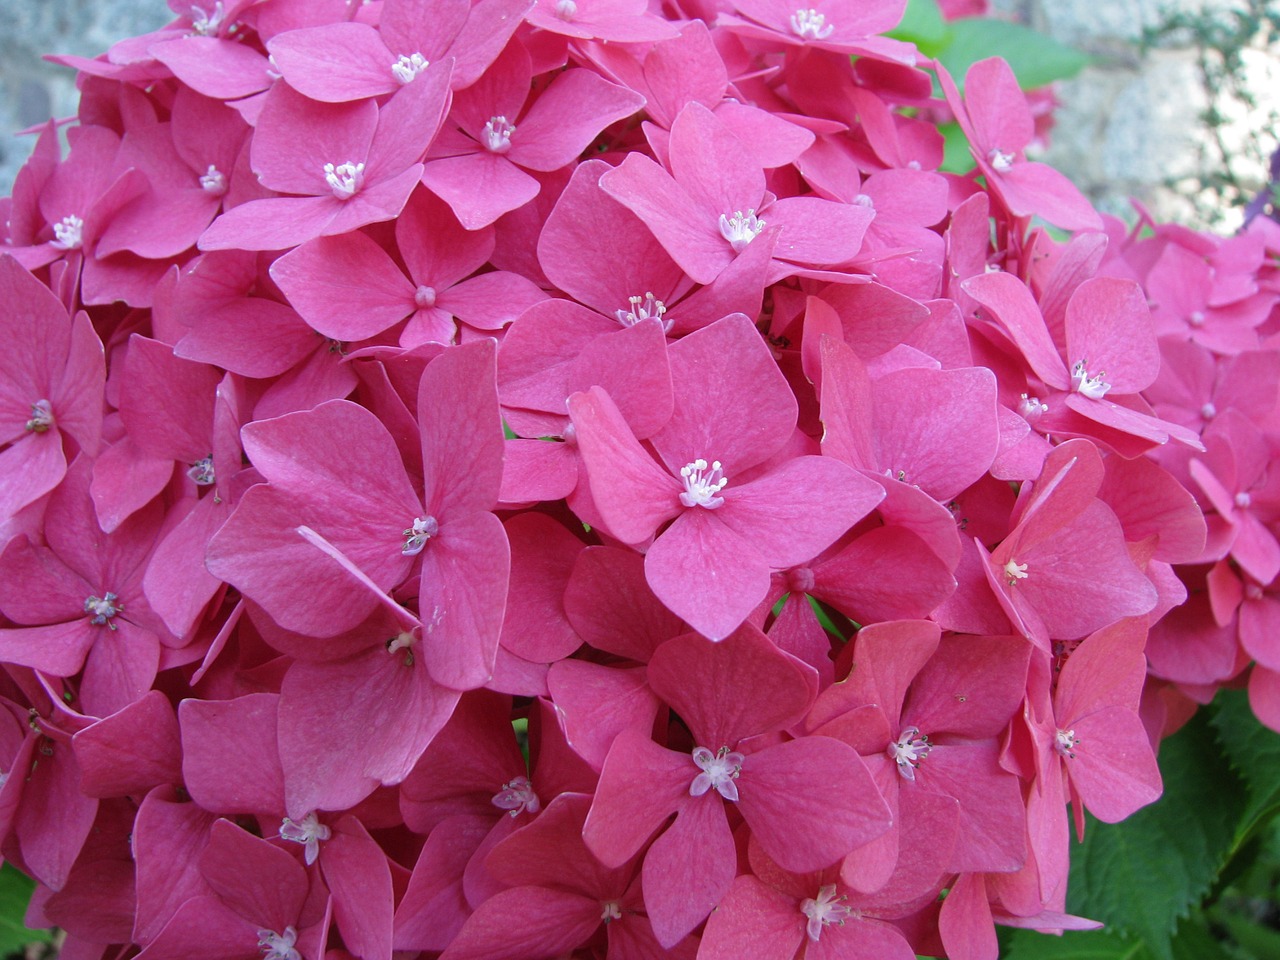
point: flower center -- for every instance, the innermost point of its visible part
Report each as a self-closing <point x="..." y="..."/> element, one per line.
<point x="1032" y="408"/>
<point x="517" y="797"/>
<point x="279" y="946"/>
<point x="719" y="770"/>
<point x="1065" y="742"/>
<point x="403" y="641"/>
<point x="1001" y="161"/>
<point x="610" y="911"/>
<point x="416" y="537"/>
<point x="741" y="228"/>
<point x="826" y="908"/>
<point x="566" y="10"/>
<point x="863" y="200"/>
<point x="497" y="134"/>
<point x="1015" y="571"/>
<point x="206" y="23"/>
<point x="406" y="68"/>
<point x="69" y="233"/>
<point x="647" y="307"/>
<point x="425" y="297"/>
<point x="800" y="580"/>
<point x="103" y="609"/>
<point x="1243" y="500"/>
<point x="908" y="750"/>
<point x="1196" y="319"/>
<point x="202" y="472"/>
<point x="41" y="417"/>
<point x="1092" y="386"/>
<point x="808" y="25"/>
<point x="1208" y="411"/>
<point x="702" y="484"/>
<point x="344" y="179"/>
<point x="308" y="831"/>
<point x="213" y="181"/>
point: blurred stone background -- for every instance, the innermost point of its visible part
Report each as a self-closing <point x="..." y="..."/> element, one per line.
<point x="1179" y="108"/>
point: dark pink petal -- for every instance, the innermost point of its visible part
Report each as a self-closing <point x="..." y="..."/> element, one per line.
<point x="753" y="920"/>
<point x="335" y="62"/>
<point x="230" y="761"/>
<point x="810" y="801"/>
<point x="612" y="608"/>
<point x="1108" y="328"/>
<point x="1113" y="769"/>
<point x="525" y="922"/>
<point x="567" y="116"/>
<point x="433" y="908"/>
<point x="272" y="224"/>
<point x="32" y="467"/>
<point x="295" y="137"/>
<point x="597" y="703"/>
<point x="118" y="672"/>
<point x="479" y="187"/>
<point x="214" y="67"/>
<point x="728" y="691"/>
<point x="257" y="879"/>
<point x="865" y="581"/>
<point x="166" y="881"/>
<point x="817" y="231"/>
<point x="641" y="785"/>
<point x="1009" y="300"/>
<point x="543" y="553"/>
<point x="689" y="868"/>
<point x="50" y="845"/>
<point x="1036" y="189"/>
<point x="131" y="751"/>
<point x="359" y="878"/>
<point x="993" y="817"/>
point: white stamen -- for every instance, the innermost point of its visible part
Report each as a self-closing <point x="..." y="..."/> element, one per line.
<point x="403" y="641"/>
<point x="308" y="831"/>
<point x="497" y="134"/>
<point x="1032" y="408"/>
<point x="406" y="68"/>
<point x="41" y="417"/>
<point x="1243" y="500"/>
<point x="1196" y="319"/>
<point x="914" y="165"/>
<point x="69" y="233"/>
<point x="279" y="946"/>
<point x="1208" y="411"/>
<point x="741" y="228"/>
<point x="213" y="181"/>
<point x="647" y="307"/>
<point x="202" y="472"/>
<point x="416" y="537"/>
<point x="863" y="200"/>
<point x="344" y="179"/>
<point x="1001" y="161"/>
<point x="808" y="25"/>
<point x="425" y="297"/>
<point x="1093" y="386"/>
<point x="719" y="770"/>
<point x="610" y="911"/>
<point x="103" y="609"/>
<point x="702" y="484"/>
<point x="824" y="909"/>
<point x="566" y="10"/>
<point x="1015" y="571"/>
<point x="204" y="24"/>
<point x="517" y="797"/>
<point x="908" y="750"/>
<point x="1064" y="742"/>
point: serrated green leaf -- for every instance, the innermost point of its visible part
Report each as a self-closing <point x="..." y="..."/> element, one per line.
<point x="956" y="157"/>
<point x="15" y="894"/>
<point x="1073" y="945"/>
<point x="1036" y="59"/>
<point x="1140" y="876"/>
<point x="922" y="24"/>
<point x="1254" y="754"/>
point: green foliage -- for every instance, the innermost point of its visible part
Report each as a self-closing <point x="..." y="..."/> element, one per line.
<point x="15" y="893"/>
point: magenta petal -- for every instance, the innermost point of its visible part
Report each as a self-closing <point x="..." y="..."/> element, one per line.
<point x="611" y="606"/>
<point x="805" y="820"/>
<point x="1113" y="767"/>
<point x="566" y="118"/>
<point x="164" y="883"/>
<point x="259" y="880"/>
<point x="1008" y="298"/>
<point x="230" y="761"/>
<point x="689" y="869"/>
<point x="214" y="67"/>
<point x="479" y="187"/>
<point x="31" y="467"/>
<point x="543" y="553"/>
<point x="433" y="908"/>
<point x="641" y="785"/>
<point x="526" y="922"/>
<point x="817" y="231"/>
<point x="597" y="703"/>
<point x="335" y="62"/>
<point x="359" y="878"/>
<point x="275" y="223"/>
<point x="753" y="921"/>
<point x="463" y="596"/>
<point x="345" y="287"/>
<point x="131" y="751"/>
<point x="295" y="137"/>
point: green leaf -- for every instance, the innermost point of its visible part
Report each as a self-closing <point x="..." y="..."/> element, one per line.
<point x="15" y="893"/>
<point x="956" y="156"/>
<point x="1036" y="59"/>
<point x="922" y="24"/>
<point x="1140" y="876"/>
<point x="1074" y="945"/>
<point x="1254" y="753"/>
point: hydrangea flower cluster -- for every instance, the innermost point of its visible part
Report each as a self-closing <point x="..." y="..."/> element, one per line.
<point x="384" y="379"/>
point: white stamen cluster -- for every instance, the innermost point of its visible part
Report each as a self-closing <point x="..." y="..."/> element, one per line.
<point x="345" y="179"/>
<point x="610" y="911"/>
<point x="68" y="233"/>
<point x="808" y="25"/>
<point x="908" y="750"/>
<point x="701" y="485"/>
<point x="517" y="797"/>
<point x="103" y="609"/>
<point x="1064" y="742"/>
<point x="497" y="134"/>
<point x="206" y="23"/>
<point x="566" y="10"/>
<point x="647" y="307"/>
<point x="1032" y="408"/>
<point x="424" y="297"/>
<point x="41" y="417"/>
<point x="741" y="228"/>
<point x="202" y="472"/>
<point x="308" y="831"/>
<point x="408" y="67"/>
<point x="1089" y="385"/>
<point x="826" y="908"/>
<point x="416" y="537"/>
<point x="213" y="181"/>
<point x="1001" y="161"/>
<point x="279" y="946"/>
<point x="1015" y="571"/>
<point x="719" y="770"/>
